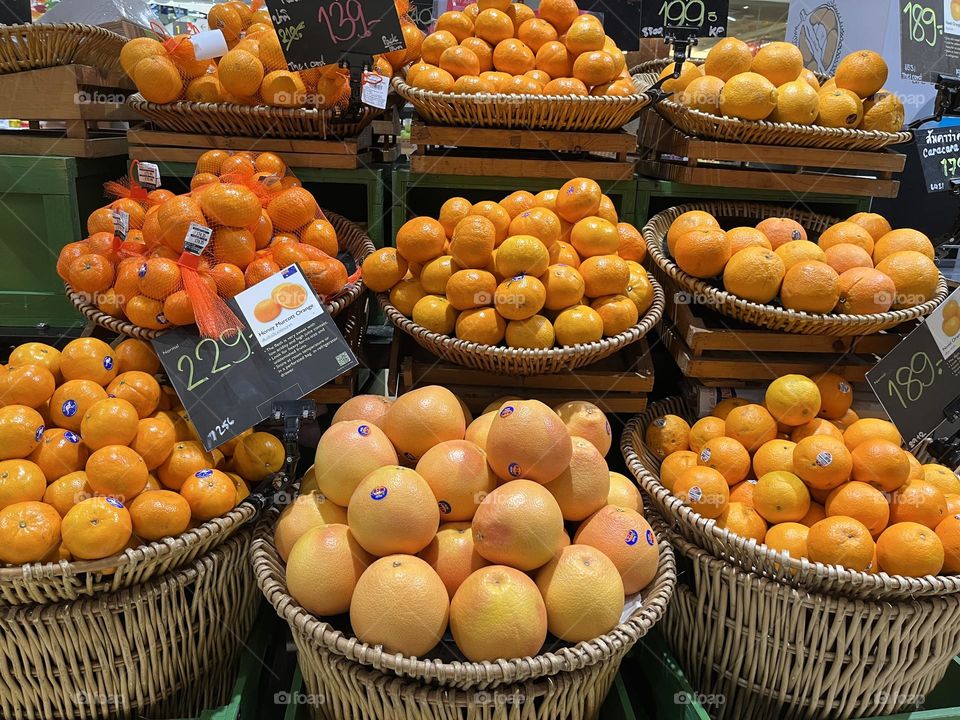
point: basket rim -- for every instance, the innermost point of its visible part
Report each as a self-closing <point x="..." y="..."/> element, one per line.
<point x="646" y="80"/>
<point x="719" y="296"/>
<point x="347" y="295"/>
<point x="575" y="657"/>
<point x="137" y="101"/>
<point x="643" y="326"/>
<point x="802" y="567"/>
<point x="641" y="98"/>
<point x="81" y="28"/>
<point x="154" y="551"/>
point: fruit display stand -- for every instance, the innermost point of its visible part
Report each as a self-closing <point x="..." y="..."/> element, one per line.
<point x="788" y="637"/>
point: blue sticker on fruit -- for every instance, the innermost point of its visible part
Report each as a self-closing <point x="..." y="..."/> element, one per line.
<point x="444" y="507"/>
<point x="71" y="437"/>
<point x="113" y="501"/>
<point x="364" y="430"/>
<point x="108" y="363"/>
<point x="69" y="408"/>
<point x="39" y="433"/>
<point x="142" y="270"/>
<point x="506" y="411"/>
<point x="632" y="537"/>
<point x="514" y="469"/>
<point x="378" y="493"/>
<point x="203" y="473"/>
<point x="650" y="538"/>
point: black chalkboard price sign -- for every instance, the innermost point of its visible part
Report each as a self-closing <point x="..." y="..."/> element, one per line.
<point x="939" y="151"/>
<point x="314" y="33"/>
<point x="929" y="39"/>
<point x="918" y="382"/>
<point x="710" y="16"/>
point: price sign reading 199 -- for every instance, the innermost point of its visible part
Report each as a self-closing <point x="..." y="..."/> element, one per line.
<point x="911" y="380"/>
<point x="922" y="25"/>
<point x="686" y="12"/>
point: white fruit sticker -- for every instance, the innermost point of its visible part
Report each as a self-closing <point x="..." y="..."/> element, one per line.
<point x="824" y="458"/>
<point x="705" y="455"/>
<point x="695" y="494"/>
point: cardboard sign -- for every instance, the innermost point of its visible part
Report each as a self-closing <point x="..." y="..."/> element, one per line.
<point x="929" y="39"/>
<point x="710" y="16"/>
<point x="918" y="382"/>
<point x="939" y="151"/>
<point x="320" y="33"/>
<point x="289" y="347"/>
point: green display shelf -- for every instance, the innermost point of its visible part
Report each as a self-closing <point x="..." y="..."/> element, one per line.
<point x="423" y="194"/>
<point x="44" y="203"/>
<point x="334" y="189"/>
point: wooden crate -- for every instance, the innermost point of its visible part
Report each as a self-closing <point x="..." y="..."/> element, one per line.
<point x="618" y="384"/>
<point x="162" y="146"/>
<point x="521" y="153"/>
<point x="78" y="97"/>
<point x="386" y="137"/>
<point x="669" y="154"/>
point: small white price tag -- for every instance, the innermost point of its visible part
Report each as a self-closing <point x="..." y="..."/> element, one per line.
<point x="121" y="223"/>
<point x="148" y="174"/>
<point x="197" y="239"/>
<point x="208" y="44"/>
<point x="374" y="89"/>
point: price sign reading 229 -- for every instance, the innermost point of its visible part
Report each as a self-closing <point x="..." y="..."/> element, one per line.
<point x="205" y="361"/>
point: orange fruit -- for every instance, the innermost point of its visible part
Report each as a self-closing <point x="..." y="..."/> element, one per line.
<point x="949" y="533"/>
<point x="29" y="532"/>
<point x="96" y="528"/>
<point x="257" y="456"/>
<point x="781" y="496"/>
<point x="914" y="275"/>
<point x="789" y="538"/>
<point x="518" y="524"/>
<point x="873" y="223"/>
<point x="577" y="199"/>
<point x="21" y="430"/>
<point x="37" y="353"/>
<point x="748" y="96"/>
<point x="513" y="56"/>
<point x="30" y="385"/>
<point x="484" y="326"/>
<point x="728" y="57"/>
<point x="632" y="246"/>
<point x="210" y="493"/>
<point x="467" y="289"/>
<point x="867" y="428"/>
<point x="158" y="79"/>
<point x="880" y="463"/>
<point x="862" y="502"/>
<point x="536" y="32"/>
<point x="727" y="456"/>
<point x="864" y="72"/>
<point x="117" y="471"/>
<point x="793" y="399"/>
<point x="88" y="359"/>
<point x="20" y="481"/>
<point x="751" y="425"/>
<point x="839" y="108"/>
<point x="779" y="62"/>
<point x="780" y="231"/>
<point x="452" y="555"/>
<point x="472" y="241"/>
<point x="723" y="408"/>
<point x="920" y="502"/>
<point x="884" y="112"/>
<point x="493" y="26"/>
<point x="703" y="489"/>
<point x="822" y="462"/>
<point x="705" y="429"/>
<point x="154" y="441"/>
<point x="308" y="510"/>
<point x="595" y="68"/>
<point x="159" y="277"/>
<point x="624" y="536"/>
<point x="941" y="476"/>
<point x="797" y="251"/>
<point x="186" y="458"/>
<point x="754" y="273"/>
<point x="134" y="354"/>
<point x="323" y="570"/>
<point x="540" y="223"/>
<point x="59" y="453"/>
<point x="910" y="549"/>
<point x="743" y="237"/>
<point x="138" y="388"/>
<point x="674" y="464"/>
<point x="66" y="491"/>
<point x="436" y="314"/>
<point x="421" y="239"/>
<point x="518" y="202"/>
<point x="703" y="94"/>
<point x="847" y="233"/>
<point x="772" y="456"/>
<point x="900" y="240"/>
<point x="158" y="514"/>
<point x="836" y="395"/>
<point x="864" y="291"/>
<point x="743" y="520"/>
<point x="458" y="24"/>
<point x="624" y="493"/>
<point x="70" y="402"/>
<point x="688" y="73"/>
<point x="815" y="514"/>
<point x="559" y="13"/>
<point x="583" y="487"/>
<point x="667" y="434"/>
<point x="841" y="540"/>
<point x="458" y="475"/>
<point x="691" y="220"/>
<point x="111" y="421"/>
<point x="617" y="312"/>
<point x="702" y="252"/>
<point x="810" y="286"/>
<point x="383" y="269"/>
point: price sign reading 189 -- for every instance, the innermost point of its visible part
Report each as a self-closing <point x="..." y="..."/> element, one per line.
<point x="708" y="16"/>
<point x="923" y="25"/>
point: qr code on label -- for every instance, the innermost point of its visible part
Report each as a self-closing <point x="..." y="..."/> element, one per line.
<point x="343" y="358"/>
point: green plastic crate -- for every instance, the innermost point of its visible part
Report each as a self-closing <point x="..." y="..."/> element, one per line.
<point x="44" y="203"/>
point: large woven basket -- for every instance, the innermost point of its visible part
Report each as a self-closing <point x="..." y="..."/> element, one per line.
<point x="162" y="648"/>
<point x="750" y="555"/>
<point x="350" y="238"/>
<point x="769" y="316"/>
<point x="522" y="361"/>
<point x="761" y="132"/>
<point x="29" y="46"/>
<point x="762" y="649"/>
<point x="536" y="112"/>
<point x="256" y="121"/>
<point x="362" y="682"/>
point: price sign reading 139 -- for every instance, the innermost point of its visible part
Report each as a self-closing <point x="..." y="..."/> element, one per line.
<point x="708" y="16"/>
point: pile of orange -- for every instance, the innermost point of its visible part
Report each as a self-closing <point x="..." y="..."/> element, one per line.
<point x="496" y="46"/>
<point x="252" y="72"/>
<point x="858" y="267"/>
<point x="803" y="474"/>
<point x="774" y="85"/>
<point x="97" y="456"/>
<point x="415" y="517"/>
<point x="262" y="221"/>
<point x="533" y="271"/>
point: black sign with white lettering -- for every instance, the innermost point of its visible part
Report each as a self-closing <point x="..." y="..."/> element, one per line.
<point x="939" y="150"/>
<point x="929" y="39"/>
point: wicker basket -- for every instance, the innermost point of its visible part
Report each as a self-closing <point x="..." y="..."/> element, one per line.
<point x="537" y="112"/>
<point x="748" y="553"/>
<point x="350" y="238"/>
<point x="764" y="649"/>
<point x="29" y="47"/>
<point x="45" y="583"/>
<point x="769" y="316"/>
<point x="521" y="361"/>
<point x="761" y="132"/>
<point x="163" y="648"/>
<point x="255" y="121"/>
<point x="358" y="681"/>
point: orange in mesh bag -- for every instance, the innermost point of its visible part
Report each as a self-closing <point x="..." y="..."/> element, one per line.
<point x="163" y="69"/>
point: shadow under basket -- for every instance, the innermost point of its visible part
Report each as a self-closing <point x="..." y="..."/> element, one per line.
<point x="763" y="649"/>
<point x="350" y="680"/>
<point x="164" y="648"/>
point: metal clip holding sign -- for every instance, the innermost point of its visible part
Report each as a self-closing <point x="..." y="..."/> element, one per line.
<point x="682" y="39"/>
<point x="290" y="415"/>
